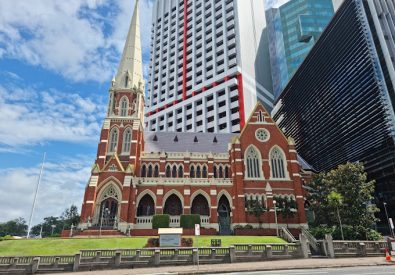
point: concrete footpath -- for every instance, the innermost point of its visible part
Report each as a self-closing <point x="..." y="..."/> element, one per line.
<point x="251" y="266"/>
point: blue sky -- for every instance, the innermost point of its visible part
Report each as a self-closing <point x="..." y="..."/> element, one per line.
<point x="57" y="59"/>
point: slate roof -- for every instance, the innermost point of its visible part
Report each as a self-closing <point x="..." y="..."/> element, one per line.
<point x="182" y="142"/>
<point x="166" y="141"/>
<point x="304" y="164"/>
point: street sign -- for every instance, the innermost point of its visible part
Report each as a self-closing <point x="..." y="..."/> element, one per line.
<point x="391" y="223"/>
<point x="197" y="229"/>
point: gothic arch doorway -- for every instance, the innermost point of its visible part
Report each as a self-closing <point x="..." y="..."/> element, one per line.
<point x="108" y="212"/>
<point x="200" y="206"/>
<point x="224" y="216"/>
<point x="107" y="207"/>
<point x="146" y="206"/>
<point x="173" y="206"/>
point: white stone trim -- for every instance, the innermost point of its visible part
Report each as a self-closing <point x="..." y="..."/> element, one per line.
<point x="213" y="192"/>
<point x="159" y="192"/>
<point x="90" y="202"/>
<point x="93" y="181"/>
<point x="127" y="181"/>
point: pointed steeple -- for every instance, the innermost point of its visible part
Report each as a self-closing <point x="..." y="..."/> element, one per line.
<point x="130" y="71"/>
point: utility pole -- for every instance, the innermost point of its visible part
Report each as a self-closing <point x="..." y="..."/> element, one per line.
<point x="35" y="198"/>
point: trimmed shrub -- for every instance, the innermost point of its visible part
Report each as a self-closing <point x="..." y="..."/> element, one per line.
<point x="189" y="221"/>
<point x="160" y="221"/>
<point x="186" y="242"/>
<point x="6" y="238"/>
<point x="152" y="242"/>
<point x="350" y="233"/>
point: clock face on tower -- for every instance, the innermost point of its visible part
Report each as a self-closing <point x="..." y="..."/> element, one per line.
<point x="262" y="135"/>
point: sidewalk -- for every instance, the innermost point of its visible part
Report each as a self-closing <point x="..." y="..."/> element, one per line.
<point x="251" y="266"/>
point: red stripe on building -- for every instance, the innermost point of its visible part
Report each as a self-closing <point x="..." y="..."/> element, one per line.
<point x="185" y="56"/>
<point x="241" y="100"/>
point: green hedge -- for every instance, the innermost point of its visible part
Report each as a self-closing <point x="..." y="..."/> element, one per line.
<point x="160" y="221"/>
<point x="189" y="221"/>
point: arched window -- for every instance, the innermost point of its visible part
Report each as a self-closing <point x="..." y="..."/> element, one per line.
<point x="149" y="171"/>
<point x="277" y="163"/>
<point x="127" y="136"/>
<point x="174" y="171"/>
<point x="113" y="140"/>
<point x="221" y="172"/>
<point x="215" y="172"/>
<point x="168" y="171"/>
<point x="226" y="171"/>
<point x="143" y="171"/>
<point x="204" y="172"/>
<point x="180" y="171"/>
<point x="156" y="171"/>
<point x="192" y="171"/>
<point x="198" y="172"/>
<point x="253" y="163"/>
<point x="124" y="107"/>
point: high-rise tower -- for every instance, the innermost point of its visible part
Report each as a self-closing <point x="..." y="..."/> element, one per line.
<point x="209" y="65"/>
<point x="293" y="29"/>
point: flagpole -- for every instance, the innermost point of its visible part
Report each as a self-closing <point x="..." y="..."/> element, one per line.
<point x="35" y="197"/>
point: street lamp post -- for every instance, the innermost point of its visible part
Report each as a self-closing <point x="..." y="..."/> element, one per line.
<point x="388" y="220"/>
<point x="275" y="215"/>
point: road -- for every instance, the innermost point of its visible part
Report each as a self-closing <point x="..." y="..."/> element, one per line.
<point x="366" y="270"/>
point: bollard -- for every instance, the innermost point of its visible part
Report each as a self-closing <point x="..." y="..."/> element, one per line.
<point x="304" y="246"/>
<point x="329" y="242"/>
<point x="213" y="253"/>
<point x="14" y="262"/>
<point x="269" y="251"/>
<point x="195" y="256"/>
<point x="232" y="254"/>
<point x="249" y="250"/>
<point x="286" y="250"/>
<point x="117" y="259"/>
<point x="56" y="264"/>
<point x="157" y="257"/>
<point x="98" y="255"/>
<point x="35" y="264"/>
<point x="77" y="259"/>
<point x="138" y="254"/>
<point x="362" y="249"/>
<point x="176" y="253"/>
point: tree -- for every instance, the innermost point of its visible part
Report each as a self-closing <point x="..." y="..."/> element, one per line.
<point x="335" y="200"/>
<point x="257" y="208"/>
<point x="286" y="207"/>
<point x="70" y="216"/>
<point x="17" y="227"/>
<point x="347" y="190"/>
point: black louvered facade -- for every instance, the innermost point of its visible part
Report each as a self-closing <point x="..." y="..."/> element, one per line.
<point x="339" y="104"/>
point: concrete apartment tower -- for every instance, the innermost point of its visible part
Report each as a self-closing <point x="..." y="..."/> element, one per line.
<point x="209" y="65"/>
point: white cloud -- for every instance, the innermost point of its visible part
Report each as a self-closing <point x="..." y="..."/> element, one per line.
<point x="62" y="185"/>
<point x="29" y="117"/>
<point x="79" y="39"/>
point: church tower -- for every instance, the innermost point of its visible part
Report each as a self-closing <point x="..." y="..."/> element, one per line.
<point x="121" y="141"/>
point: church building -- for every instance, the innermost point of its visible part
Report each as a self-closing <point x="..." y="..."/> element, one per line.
<point x="138" y="173"/>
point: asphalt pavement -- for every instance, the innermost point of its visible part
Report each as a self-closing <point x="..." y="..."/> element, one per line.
<point x="367" y="270"/>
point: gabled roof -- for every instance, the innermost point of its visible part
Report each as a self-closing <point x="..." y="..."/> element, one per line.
<point x="304" y="164"/>
<point x="167" y="142"/>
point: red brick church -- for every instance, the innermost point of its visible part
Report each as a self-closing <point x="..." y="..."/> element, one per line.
<point x="138" y="174"/>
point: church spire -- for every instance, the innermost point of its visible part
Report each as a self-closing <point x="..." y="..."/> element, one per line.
<point x="130" y="70"/>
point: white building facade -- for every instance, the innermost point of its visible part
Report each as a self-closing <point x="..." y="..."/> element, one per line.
<point x="209" y="65"/>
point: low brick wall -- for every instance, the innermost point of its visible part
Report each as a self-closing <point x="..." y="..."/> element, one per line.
<point x="261" y="232"/>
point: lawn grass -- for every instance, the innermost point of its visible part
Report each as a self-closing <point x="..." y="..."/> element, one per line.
<point x="44" y="247"/>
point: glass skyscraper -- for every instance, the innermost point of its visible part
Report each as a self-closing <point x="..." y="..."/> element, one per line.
<point x="340" y="104"/>
<point x="293" y="28"/>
